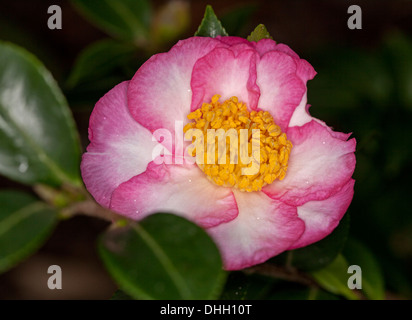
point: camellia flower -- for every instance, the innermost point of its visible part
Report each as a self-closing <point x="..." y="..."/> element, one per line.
<point x="303" y="185"/>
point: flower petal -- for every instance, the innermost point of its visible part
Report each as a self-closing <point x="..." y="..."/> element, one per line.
<point x="233" y="41"/>
<point x="319" y="165"/>
<point x="265" y="45"/>
<point x="180" y="189"/>
<point x="160" y="93"/>
<point x="301" y="115"/>
<point x="304" y="69"/>
<point x="263" y="229"/>
<point x="228" y="73"/>
<point x="119" y="148"/>
<point x="281" y="88"/>
<point x="322" y="217"/>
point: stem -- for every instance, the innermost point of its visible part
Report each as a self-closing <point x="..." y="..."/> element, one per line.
<point x="89" y="208"/>
<point x="72" y="200"/>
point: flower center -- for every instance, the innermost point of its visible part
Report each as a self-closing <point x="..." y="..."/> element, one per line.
<point x="251" y="136"/>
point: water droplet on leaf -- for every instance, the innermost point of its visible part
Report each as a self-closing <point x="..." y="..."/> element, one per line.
<point x="23" y="164"/>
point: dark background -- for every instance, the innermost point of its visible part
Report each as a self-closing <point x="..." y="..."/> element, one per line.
<point x="364" y="86"/>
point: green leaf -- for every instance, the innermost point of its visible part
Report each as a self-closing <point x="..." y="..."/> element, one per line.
<point x="240" y="286"/>
<point x="334" y="278"/>
<point x="321" y="253"/>
<point x="259" y="33"/>
<point x="163" y="257"/>
<point x="210" y="25"/>
<point x="297" y="292"/>
<point x="120" y="295"/>
<point x="25" y="223"/>
<point x="127" y="19"/>
<point x="99" y="60"/>
<point x="38" y="137"/>
<point x="372" y="279"/>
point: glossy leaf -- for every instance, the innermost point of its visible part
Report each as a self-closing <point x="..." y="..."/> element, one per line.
<point x="163" y="257"/>
<point x="38" y="137"/>
<point x="334" y="278"/>
<point x="126" y="19"/>
<point x="372" y="279"/>
<point x="25" y="223"/>
<point x="210" y="25"/>
<point x="259" y="33"/>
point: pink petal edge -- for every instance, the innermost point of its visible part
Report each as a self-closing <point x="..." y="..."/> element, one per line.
<point x="180" y="189"/>
<point x="225" y="72"/>
<point x="160" y="93"/>
<point x="322" y="217"/>
<point x="119" y="147"/>
<point x="263" y="229"/>
<point x="319" y="165"/>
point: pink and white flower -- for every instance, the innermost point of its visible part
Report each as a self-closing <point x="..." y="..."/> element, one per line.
<point x="248" y="227"/>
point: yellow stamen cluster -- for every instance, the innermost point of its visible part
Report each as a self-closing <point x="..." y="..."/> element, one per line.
<point x="273" y="144"/>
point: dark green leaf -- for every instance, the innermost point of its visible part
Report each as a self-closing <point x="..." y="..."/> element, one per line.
<point x="120" y="295"/>
<point x="126" y="19"/>
<point x="372" y="280"/>
<point x="163" y="257"/>
<point x="334" y="278"/>
<point x="25" y="224"/>
<point x="99" y="60"/>
<point x="210" y="25"/>
<point x="259" y="33"/>
<point x="240" y="286"/>
<point x="321" y="253"/>
<point x="295" y="292"/>
<point x="38" y="137"/>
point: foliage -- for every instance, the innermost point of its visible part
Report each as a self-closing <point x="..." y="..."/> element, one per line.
<point x="167" y="257"/>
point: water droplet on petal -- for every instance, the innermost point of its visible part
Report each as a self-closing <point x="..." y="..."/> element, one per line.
<point x="323" y="142"/>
